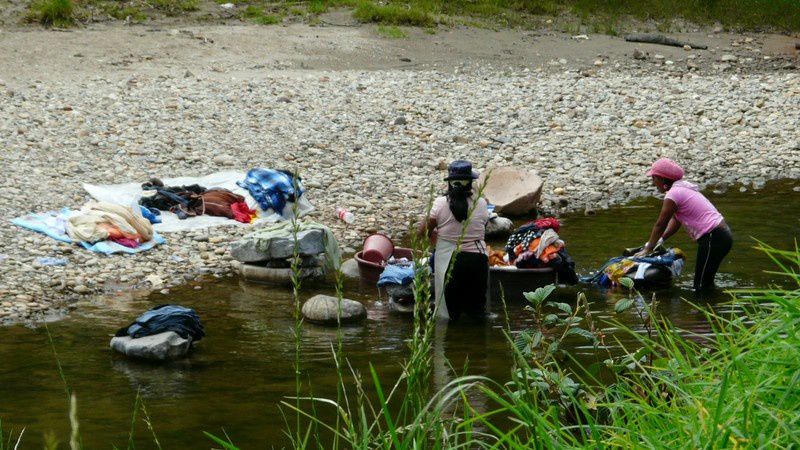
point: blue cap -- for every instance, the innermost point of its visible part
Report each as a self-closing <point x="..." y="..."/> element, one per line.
<point x="461" y="170"/>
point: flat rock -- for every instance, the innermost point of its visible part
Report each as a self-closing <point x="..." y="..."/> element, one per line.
<point x="161" y="347"/>
<point x="322" y="309"/>
<point x="251" y="248"/>
<point x="514" y="192"/>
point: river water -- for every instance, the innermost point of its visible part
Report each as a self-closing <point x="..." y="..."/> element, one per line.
<point x="239" y="373"/>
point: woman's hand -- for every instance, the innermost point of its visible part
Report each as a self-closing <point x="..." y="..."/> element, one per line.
<point x="643" y="252"/>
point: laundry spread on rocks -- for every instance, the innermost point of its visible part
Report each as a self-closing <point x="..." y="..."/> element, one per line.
<point x="127" y="218"/>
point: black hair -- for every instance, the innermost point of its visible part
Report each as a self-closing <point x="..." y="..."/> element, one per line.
<point x="665" y="181"/>
<point x="457" y="196"/>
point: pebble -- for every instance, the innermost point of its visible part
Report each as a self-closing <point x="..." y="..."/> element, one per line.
<point x="591" y="138"/>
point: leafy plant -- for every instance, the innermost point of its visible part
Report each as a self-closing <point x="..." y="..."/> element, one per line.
<point x="52" y="13"/>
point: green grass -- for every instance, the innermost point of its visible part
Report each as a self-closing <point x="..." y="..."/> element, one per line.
<point x="175" y="7"/>
<point x="393" y="14"/>
<point x="745" y="14"/>
<point x="120" y="12"/>
<point x="258" y="15"/>
<point x="611" y="17"/>
<point x="391" y="31"/>
<point x="317" y="6"/>
<point x="52" y="13"/>
<point x="598" y="15"/>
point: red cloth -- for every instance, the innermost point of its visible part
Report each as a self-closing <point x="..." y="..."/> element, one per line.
<point x="130" y="243"/>
<point x="548" y="222"/>
<point x="242" y="212"/>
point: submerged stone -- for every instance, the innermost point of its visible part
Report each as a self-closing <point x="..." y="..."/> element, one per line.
<point x="322" y="309"/>
<point x="275" y="275"/>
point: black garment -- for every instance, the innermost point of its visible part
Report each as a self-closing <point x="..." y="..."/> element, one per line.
<point x="168" y="197"/>
<point x="466" y="290"/>
<point x="712" y="248"/>
<point x="564" y="267"/>
<point x="162" y="318"/>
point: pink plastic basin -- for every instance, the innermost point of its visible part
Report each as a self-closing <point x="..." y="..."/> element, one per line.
<point x="377" y="248"/>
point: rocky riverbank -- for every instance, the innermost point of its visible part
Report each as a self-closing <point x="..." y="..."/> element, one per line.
<point x="373" y="142"/>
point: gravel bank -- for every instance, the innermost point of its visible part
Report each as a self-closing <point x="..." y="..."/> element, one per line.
<point x="372" y="142"/>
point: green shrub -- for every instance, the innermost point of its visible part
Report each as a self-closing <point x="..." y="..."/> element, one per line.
<point x="317" y="6"/>
<point x="52" y="13"/>
<point x="393" y="14"/>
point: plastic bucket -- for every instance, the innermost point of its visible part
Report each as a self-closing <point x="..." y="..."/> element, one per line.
<point x="377" y="248"/>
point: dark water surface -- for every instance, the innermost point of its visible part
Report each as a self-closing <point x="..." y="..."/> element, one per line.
<point x="243" y="368"/>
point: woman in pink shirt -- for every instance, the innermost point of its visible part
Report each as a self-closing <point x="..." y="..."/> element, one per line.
<point x="685" y="205"/>
<point x="460" y="224"/>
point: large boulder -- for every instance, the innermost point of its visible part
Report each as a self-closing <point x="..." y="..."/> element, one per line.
<point x="275" y="275"/>
<point x="322" y="309"/>
<point x="256" y="249"/>
<point x="513" y="192"/>
<point x="499" y="227"/>
<point x="160" y="347"/>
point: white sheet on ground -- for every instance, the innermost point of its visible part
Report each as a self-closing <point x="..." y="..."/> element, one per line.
<point x="130" y="193"/>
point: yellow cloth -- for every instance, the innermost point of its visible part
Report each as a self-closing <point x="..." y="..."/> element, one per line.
<point x="618" y="270"/>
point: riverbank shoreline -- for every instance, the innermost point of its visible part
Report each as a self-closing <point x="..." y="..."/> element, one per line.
<point x="196" y="101"/>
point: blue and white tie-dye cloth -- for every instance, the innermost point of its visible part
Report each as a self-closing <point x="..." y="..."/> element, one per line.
<point x="54" y="224"/>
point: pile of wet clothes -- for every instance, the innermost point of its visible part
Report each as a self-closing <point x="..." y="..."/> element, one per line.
<point x="194" y="200"/>
<point x="398" y="280"/>
<point x="104" y="221"/>
<point x="656" y="270"/>
<point x="183" y="321"/>
<point x="537" y="245"/>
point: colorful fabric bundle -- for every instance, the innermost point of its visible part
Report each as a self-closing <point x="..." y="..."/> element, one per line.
<point x="272" y="188"/>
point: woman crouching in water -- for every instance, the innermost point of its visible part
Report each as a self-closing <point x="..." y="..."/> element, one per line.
<point x="459" y="221"/>
<point x="685" y="205"/>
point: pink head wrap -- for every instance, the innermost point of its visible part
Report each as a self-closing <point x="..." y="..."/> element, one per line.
<point x="666" y="168"/>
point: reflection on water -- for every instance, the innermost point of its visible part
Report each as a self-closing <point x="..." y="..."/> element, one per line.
<point x="239" y="373"/>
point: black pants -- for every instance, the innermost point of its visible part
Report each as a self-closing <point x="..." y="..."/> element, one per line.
<point x="712" y="248"/>
<point x="466" y="290"/>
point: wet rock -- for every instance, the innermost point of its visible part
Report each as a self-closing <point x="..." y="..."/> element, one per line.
<point x="400" y="291"/>
<point x="275" y="275"/>
<point x="498" y="227"/>
<point x="251" y="248"/>
<point x="350" y="269"/>
<point x="323" y="310"/>
<point x="160" y="347"/>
